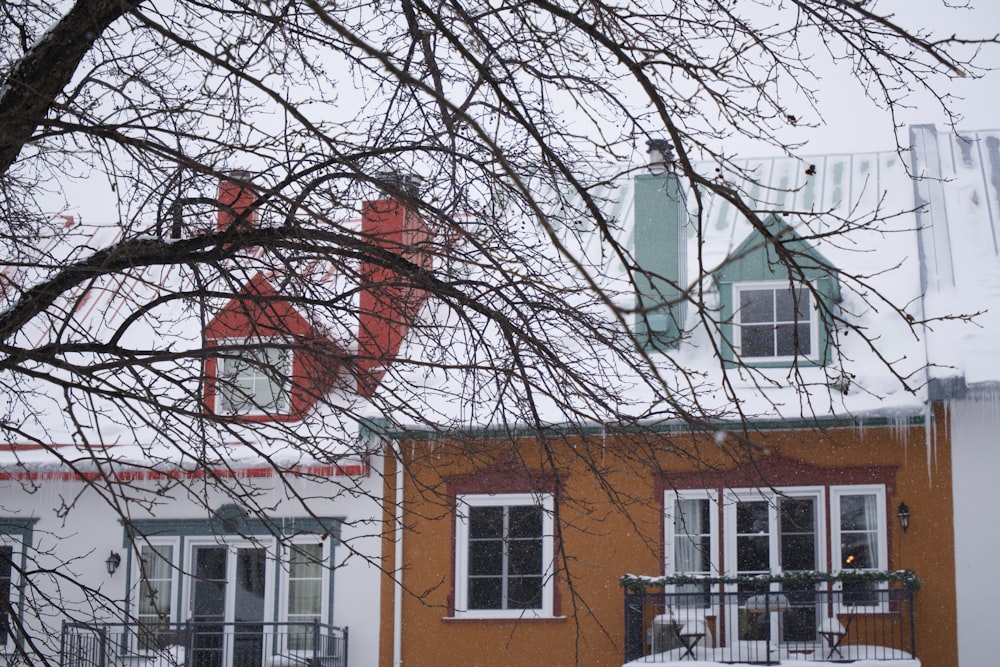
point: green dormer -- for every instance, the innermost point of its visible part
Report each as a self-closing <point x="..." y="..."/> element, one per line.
<point x="661" y="259"/>
<point x="776" y="306"/>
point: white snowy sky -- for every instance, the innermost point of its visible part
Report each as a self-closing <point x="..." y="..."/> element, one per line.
<point x="854" y="124"/>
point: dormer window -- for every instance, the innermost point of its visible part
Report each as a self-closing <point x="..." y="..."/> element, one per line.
<point x="265" y="361"/>
<point x="775" y="321"/>
<point x="777" y="308"/>
<point x="254" y="379"/>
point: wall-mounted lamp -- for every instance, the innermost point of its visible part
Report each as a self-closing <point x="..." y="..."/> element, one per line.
<point x="904" y="516"/>
<point x="113" y="561"/>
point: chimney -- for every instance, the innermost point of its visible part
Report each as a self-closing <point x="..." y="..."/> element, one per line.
<point x="660" y="250"/>
<point x="389" y="302"/>
<point x="236" y="199"/>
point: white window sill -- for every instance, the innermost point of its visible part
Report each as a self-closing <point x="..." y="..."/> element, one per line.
<point x="487" y="615"/>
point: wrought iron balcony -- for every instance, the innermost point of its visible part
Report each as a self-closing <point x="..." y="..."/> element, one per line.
<point x="767" y="620"/>
<point x="203" y="644"/>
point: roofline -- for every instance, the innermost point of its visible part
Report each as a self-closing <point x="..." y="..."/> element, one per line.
<point x="381" y="427"/>
<point x="132" y="474"/>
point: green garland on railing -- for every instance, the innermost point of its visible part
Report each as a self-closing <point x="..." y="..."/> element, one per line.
<point x="791" y="580"/>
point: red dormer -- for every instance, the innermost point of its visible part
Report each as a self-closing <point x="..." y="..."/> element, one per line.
<point x="266" y="361"/>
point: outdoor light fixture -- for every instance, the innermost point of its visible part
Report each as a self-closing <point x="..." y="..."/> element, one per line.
<point x="904" y="516"/>
<point x="113" y="561"/>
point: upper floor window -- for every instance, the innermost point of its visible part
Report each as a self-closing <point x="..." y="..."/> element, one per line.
<point x="265" y="360"/>
<point x="254" y="381"/>
<point x="775" y="321"/>
<point x="776" y="311"/>
<point x="504" y="558"/>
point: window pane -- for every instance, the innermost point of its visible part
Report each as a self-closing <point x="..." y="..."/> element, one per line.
<point x="753" y="554"/>
<point x="525" y="521"/>
<point x="306" y="561"/>
<point x="857" y="512"/>
<point x="524" y="557"/>
<point x="798" y="534"/>
<point x="753" y="545"/>
<point x="485" y="593"/>
<point x="856" y="550"/>
<point x="155" y="589"/>
<point x="757" y="341"/>
<point x="756" y="305"/>
<point x="305" y="581"/>
<point x="751" y="517"/>
<point x="524" y="593"/>
<point x="792" y="339"/>
<point x="304" y="599"/>
<point x="486" y="557"/>
<point x="792" y="305"/>
<point x="486" y="522"/>
<point x="798" y="552"/>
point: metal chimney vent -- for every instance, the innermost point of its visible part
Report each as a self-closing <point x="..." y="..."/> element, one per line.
<point x="661" y="155"/>
<point x="393" y="183"/>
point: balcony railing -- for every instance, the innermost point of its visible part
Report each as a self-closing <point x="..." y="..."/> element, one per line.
<point x="203" y="644"/>
<point x="766" y="621"/>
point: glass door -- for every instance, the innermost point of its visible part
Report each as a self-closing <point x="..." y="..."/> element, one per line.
<point x="228" y="605"/>
<point x="767" y="534"/>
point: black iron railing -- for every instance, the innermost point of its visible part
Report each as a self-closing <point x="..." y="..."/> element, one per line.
<point x="767" y="623"/>
<point x="203" y="644"/>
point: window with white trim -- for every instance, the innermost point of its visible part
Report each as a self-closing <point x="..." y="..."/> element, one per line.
<point x="157" y="585"/>
<point x="859" y="538"/>
<point x="774" y="321"/>
<point x="692" y="529"/>
<point x="228" y="580"/>
<point x="776" y="531"/>
<point x="254" y="380"/>
<point x="305" y="589"/>
<point x="504" y="555"/>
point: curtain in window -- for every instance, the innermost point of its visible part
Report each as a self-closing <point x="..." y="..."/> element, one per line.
<point x="690" y="525"/>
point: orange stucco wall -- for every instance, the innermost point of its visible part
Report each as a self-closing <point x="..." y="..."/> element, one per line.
<point x="610" y="509"/>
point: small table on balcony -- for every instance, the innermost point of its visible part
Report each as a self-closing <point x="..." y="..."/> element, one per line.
<point x="690" y="634"/>
<point x="833" y="631"/>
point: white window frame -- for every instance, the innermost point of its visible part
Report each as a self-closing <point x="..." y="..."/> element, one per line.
<point x="670" y="500"/>
<point x="285" y="571"/>
<point x="462" y="505"/>
<point x="774" y="285"/>
<point x="158" y="543"/>
<point x="239" y="348"/>
<point x="16" y="560"/>
<point x="882" y="551"/>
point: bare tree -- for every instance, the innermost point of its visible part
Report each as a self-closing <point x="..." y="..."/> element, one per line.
<point x="517" y="116"/>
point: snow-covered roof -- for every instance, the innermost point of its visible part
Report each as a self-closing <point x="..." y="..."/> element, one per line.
<point x="903" y="330"/>
<point x="906" y="252"/>
<point x="958" y="189"/>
